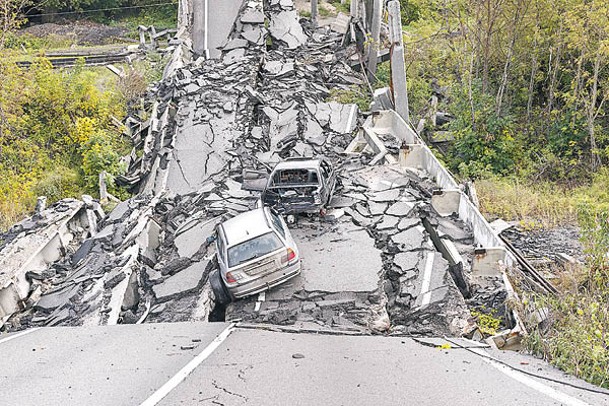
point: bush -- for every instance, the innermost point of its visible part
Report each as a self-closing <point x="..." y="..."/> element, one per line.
<point x="56" y="134"/>
<point x="59" y="183"/>
<point x="576" y="338"/>
<point x="99" y="156"/>
<point x="484" y="143"/>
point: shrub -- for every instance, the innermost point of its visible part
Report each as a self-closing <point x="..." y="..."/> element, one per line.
<point x="98" y="156"/>
<point x="57" y="184"/>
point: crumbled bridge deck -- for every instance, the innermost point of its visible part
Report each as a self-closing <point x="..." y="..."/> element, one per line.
<point x="369" y="266"/>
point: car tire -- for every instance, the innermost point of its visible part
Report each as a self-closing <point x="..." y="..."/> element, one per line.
<point x="217" y="285"/>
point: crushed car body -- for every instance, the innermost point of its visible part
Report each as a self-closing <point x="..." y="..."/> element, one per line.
<point x="300" y="185"/>
<point x="255" y="252"/>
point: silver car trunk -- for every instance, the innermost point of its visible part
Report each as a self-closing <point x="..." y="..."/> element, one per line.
<point x="268" y="263"/>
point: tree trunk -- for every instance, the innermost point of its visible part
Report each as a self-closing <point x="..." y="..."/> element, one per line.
<point x="592" y="112"/>
<point x="504" y="77"/>
<point x="554" y="71"/>
<point x="531" y="84"/>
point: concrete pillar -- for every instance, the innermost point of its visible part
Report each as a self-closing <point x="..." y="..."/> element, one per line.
<point x="199" y="27"/>
<point x="314" y="12"/>
<point x="375" y="35"/>
<point x="398" y="69"/>
<point x="353" y="9"/>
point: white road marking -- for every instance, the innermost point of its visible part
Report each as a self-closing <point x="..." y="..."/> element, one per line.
<point x="427" y="279"/>
<point x="561" y="397"/>
<point x="261" y="298"/>
<point x="351" y="118"/>
<point x="17" y="335"/>
<point x="171" y="384"/>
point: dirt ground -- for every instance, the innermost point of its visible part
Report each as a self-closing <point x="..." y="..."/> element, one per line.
<point x="81" y="32"/>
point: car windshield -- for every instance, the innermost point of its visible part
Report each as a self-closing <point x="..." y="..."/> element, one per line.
<point x="254" y="248"/>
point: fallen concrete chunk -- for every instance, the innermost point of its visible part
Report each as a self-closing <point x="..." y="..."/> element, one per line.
<point x="254" y="34"/>
<point x="57" y="299"/>
<point x="252" y="16"/>
<point x="183" y="283"/>
<point x="410" y="239"/>
<point x="390" y="195"/>
<point x="236" y="43"/>
<point x="285" y="27"/>
<point x="388" y="223"/>
<point x="377" y="208"/>
<point x="400" y="208"/>
<point x="407" y="260"/>
<point x="192" y="236"/>
<point x="408" y="222"/>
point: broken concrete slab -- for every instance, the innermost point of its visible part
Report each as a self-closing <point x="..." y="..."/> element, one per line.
<point x="330" y="265"/>
<point x="388" y="223"/>
<point x="446" y="202"/>
<point x="385" y="196"/>
<point x="252" y="16"/>
<point x="57" y="299"/>
<point x="407" y="260"/>
<point x="410" y="239"/>
<point x="284" y="27"/>
<point x="182" y="283"/>
<point x="192" y="235"/>
<point x="400" y="208"/>
<point x="408" y="222"/>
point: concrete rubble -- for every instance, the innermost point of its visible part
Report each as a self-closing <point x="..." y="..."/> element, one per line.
<point x="369" y="266"/>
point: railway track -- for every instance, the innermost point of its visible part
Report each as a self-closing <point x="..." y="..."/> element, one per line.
<point x="67" y="61"/>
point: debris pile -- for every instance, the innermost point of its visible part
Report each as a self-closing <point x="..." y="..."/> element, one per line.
<point x="30" y="246"/>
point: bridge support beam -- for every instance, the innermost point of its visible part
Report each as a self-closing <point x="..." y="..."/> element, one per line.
<point x="199" y="27"/>
<point x="398" y="70"/>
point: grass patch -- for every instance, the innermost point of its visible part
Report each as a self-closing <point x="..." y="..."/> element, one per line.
<point x="342" y="7"/>
<point x="515" y="200"/>
<point x="546" y="204"/>
<point x="576" y="339"/>
<point x="355" y="94"/>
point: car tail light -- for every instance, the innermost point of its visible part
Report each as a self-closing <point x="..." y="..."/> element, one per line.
<point x="291" y="255"/>
<point x="233" y="277"/>
<point x="316" y="198"/>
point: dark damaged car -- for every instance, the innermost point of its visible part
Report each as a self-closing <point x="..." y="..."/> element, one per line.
<point x="300" y="185"/>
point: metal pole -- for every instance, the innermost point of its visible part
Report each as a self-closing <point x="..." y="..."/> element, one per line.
<point x="314" y="12"/>
<point x="398" y="69"/>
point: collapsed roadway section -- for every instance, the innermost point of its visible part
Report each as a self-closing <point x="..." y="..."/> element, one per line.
<point x="397" y="252"/>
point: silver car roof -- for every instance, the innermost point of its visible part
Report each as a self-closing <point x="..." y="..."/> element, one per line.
<point x="246" y="226"/>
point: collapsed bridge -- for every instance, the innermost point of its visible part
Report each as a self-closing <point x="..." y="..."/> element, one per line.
<point x="402" y="250"/>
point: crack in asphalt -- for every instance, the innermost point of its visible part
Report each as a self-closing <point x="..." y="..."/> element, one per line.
<point x="179" y="162"/>
<point x="227" y="391"/>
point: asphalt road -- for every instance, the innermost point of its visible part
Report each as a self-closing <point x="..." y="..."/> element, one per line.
<point x="222" y="15"/>
<point x="126" y="365"/>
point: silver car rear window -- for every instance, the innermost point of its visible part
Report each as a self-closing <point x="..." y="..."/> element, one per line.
<point x="295" y="177"/>
<point x="254" y="248"/>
